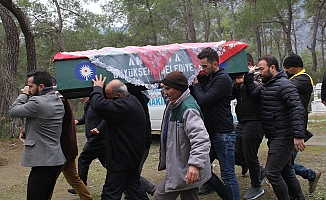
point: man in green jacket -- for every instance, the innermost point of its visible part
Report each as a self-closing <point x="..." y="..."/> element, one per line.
<point x="185" y="144"/>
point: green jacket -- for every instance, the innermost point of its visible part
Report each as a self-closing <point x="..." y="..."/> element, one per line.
<point x="187" y="144"/>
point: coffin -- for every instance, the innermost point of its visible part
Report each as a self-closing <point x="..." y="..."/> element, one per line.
<point x="140" y="68"/>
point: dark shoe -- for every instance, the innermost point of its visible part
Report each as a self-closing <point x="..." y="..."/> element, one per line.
<point x="205" y="189"/>
<point x="254" y="193"/>
<point x="72" y="191"/>
<point x="313" y="184"/>
<point x="244" y="170"/>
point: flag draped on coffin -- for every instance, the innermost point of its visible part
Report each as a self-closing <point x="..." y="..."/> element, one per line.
<point x="145" y="66"/>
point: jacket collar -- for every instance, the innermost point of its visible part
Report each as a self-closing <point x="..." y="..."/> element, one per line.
<point x="215" y="73"/>
<point x="303" y="71"/>
<point x="184" y="95"/>
<point x="279" y="75"/>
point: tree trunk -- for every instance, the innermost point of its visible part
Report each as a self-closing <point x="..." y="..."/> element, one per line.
<point x="322" y="44"/>
<point x="206" y="21"/>
<point x="189" y="21"/>
<point x="295" y="39"/>
<point x="314" y="37"/>
<point x="218" y="33"/>
<point x="286" y="26"/>
<point x="59" y="29"/>
<point x="257" y="33"/>
<point x="25" y="27"/>
<point x="152" y="24"/>
<point x="233" y="36"/>
<point x="2" y="111"/>
<point x="263" y="39"/>
<point x="10" y="69"/>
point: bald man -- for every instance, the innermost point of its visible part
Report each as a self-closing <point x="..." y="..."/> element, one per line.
<point x="125" y="137"/>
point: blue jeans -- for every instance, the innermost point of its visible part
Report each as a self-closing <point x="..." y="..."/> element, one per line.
<point x="302" y="170"/>
<point x="223" y="150"/>
<point x="279" y="170"/>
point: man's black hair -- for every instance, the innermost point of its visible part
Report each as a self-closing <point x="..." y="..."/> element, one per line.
<point x="250" y="59"/>
<point x="41" y="77"/>
<point x="271" y="60"/>
<point x="208" y="53"/>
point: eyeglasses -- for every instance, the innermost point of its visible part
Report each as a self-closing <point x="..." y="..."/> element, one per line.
<point x="287" y="67"/>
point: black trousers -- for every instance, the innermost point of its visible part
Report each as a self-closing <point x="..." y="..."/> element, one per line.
<point x="41" y="181"/>
<point x="249" y="135"/>
<point x="116" y="182"/>
<point x="279" y="169"/>
<point x="91" y="151"/>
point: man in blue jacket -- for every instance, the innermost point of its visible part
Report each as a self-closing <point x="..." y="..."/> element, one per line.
<point x="125" y="138"/>
<point x="283" y="124"/>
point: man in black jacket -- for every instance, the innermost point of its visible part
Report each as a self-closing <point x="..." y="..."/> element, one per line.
<point x="293" y="67"/>
<point x="214" y="98"/>
<point x="283" y="125"/>
<point x="125" y="138"/>
<point x="146" y="184"/>
<point x="249" y="134"/>
<point x="94" y="147"/>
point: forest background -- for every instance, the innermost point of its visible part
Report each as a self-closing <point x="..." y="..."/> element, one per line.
<point x="33" y="31"/>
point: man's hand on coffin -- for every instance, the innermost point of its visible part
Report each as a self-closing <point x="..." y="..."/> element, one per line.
<point x="99" y="81"/>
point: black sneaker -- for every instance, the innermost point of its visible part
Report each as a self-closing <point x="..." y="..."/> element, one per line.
<point x="205" y="189"/>
<point x="254" y="193"/>
<point x="72" y="191"/>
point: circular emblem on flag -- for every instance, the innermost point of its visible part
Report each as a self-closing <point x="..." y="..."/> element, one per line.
<point x="85" y="71"/>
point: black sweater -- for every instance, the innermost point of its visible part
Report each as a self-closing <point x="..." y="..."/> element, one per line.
<point x="246" y="109"/>
<point x="92" y="120"/>
<point x="214" y="99"/>
<point x="126" y="128"/>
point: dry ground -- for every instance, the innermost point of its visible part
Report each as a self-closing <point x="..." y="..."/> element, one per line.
<point x="13" y="177"/>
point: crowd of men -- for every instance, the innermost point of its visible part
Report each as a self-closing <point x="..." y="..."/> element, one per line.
<point x="197" y="128"/>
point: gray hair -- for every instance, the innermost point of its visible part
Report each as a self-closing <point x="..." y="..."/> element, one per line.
<point x="120" y="89"/>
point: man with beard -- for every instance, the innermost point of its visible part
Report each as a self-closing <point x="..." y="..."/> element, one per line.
<point x="293" y="67"/>
<point x="44" y="111"/>
<point x="282" y="122"/>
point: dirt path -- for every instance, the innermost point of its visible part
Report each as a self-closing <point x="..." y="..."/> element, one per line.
<point x="13" y="177"/>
